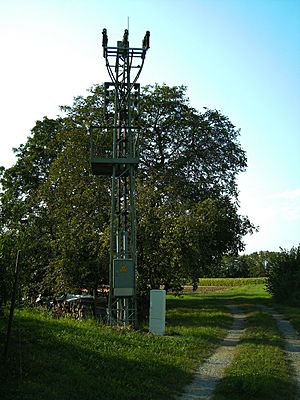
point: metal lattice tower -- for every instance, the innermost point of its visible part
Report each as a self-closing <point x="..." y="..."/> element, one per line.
<point x="121" y="98"/>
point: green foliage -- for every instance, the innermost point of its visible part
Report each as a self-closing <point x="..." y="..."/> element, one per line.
<point x="186" y="189"/>
<point x="230" y="267"/>
<point x="57" y="213"/>
<point x="7" y="258"/>
<point x="249" y="265"/>
<point x="283" y="277"/>
<point x="23" y="223"/>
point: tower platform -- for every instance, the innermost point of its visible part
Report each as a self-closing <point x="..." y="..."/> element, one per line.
<point x="104" y="166"/>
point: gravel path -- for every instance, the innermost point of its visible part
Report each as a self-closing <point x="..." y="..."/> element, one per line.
<point x="212" y="370"/>
<point x="292" y="342"/>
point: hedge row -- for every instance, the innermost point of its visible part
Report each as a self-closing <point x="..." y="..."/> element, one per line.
<point x="283" y="276"/>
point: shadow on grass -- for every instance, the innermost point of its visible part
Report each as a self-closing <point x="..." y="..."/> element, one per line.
<point x="262" y="341"/>
<point x="255" y="387"/>
<point x="54" y="368"/>
<point x="292" y="313"/>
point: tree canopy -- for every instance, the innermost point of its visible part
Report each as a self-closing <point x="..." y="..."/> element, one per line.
<point x="57" y="213"/>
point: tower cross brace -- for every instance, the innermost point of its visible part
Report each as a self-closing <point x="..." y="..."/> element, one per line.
<point x="122" y="98"/>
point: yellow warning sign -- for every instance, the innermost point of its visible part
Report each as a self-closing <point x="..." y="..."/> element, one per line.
<point x="123" y="268"/>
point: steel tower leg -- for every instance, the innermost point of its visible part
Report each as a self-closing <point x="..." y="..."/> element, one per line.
<point x="120" y="61"/>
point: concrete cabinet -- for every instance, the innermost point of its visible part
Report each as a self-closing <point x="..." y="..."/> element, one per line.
<point x="157" y="320"/>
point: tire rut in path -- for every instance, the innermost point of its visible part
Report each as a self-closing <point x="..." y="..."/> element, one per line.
<point x="212" y="370"/>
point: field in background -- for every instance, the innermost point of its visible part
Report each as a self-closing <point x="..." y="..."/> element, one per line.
<point x="231" y="281"/>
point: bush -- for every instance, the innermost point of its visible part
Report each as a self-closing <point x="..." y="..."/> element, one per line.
<point x="283" y="277"/>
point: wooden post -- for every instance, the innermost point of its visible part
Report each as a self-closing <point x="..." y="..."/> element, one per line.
<point x="12" y="306"/>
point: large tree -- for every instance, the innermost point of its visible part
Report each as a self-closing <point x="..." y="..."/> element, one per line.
<point x="187" y="190"/>
<point x="25" y="223"/>
<point x="187" y="198"/>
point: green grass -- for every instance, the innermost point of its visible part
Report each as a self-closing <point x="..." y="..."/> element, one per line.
<point x="259" y="370"/>
<point x="65" y="359"/>
<point x="236" y="295"/>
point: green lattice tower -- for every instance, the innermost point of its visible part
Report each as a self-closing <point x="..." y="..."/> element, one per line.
<point x="122" y="98"/>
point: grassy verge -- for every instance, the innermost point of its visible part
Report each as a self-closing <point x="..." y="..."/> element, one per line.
<point x="65" y="359"/>
<point x="259" y="370"/>
<point x="237" y="295"/>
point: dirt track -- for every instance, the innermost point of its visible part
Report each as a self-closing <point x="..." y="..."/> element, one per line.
<point x="212" y="370"/>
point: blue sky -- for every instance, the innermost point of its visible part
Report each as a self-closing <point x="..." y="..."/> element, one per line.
<point x="241" y="57"/>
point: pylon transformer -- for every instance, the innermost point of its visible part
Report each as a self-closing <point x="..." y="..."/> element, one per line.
<point x="114" y="152"/>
